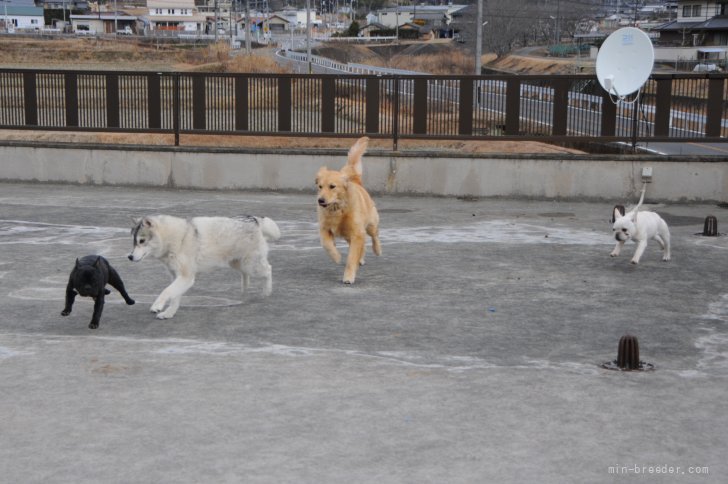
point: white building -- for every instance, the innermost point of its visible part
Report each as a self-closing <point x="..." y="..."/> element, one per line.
<point x="430" y="14"/>
<point x="175" y="16"/>
<point x="21" y="18"/>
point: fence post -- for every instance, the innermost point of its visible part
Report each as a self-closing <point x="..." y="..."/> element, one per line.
<point x="715" y="106"/>
<point x="465" y="116"/>
<point x="372" y="105"/>
<point x="154" y="101"/>
<point x="112" y="100"/>
<point x="198" y="102"/>
<point x="241" y="103"/>
<point x="176" y="107"/>
<point x="560" y="107"/>
<point x="662" y="105"/>
<point x="71" y="94"/>
<point x="328" y="105"/>
<point x="419" y="107"/>
<point x="284" y="104"/>
<point x="395" y="115"/>
<point x="513" y="106"/>
<point x="30" y="99"/>
<point x="609" y="115"/>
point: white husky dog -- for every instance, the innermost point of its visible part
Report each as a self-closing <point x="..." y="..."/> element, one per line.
<point x="640" y="227"/>
<point x="201" y="244"/>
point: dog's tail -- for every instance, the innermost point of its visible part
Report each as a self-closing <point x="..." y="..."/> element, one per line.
<point x="642" y="197"/>
<point x="353" y="168"/>
<point x="269" y="228"/>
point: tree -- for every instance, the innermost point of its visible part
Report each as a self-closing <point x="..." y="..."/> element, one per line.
<point x="518" y="23"/>
<point x="353" y="30"/>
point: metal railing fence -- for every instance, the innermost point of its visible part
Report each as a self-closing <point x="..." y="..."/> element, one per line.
<point x="558" y="108"/>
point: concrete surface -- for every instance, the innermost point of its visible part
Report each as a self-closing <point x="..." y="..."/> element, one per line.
<point x="535" y="176"/>
<point x="468" y="352"/>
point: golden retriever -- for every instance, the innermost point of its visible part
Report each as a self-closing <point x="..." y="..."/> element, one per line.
<point x="346" y="210"/>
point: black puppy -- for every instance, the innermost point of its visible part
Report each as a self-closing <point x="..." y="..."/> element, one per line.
<point x="89" y="277"/>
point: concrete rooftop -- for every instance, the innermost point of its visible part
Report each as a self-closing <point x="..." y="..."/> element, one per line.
<point x="469" y="352"/>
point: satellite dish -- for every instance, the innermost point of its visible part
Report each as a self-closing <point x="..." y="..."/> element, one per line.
<point x="625" y="61"/>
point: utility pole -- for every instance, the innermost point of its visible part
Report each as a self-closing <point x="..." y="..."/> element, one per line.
<point x="247" y="27"/>
<point x="308" y="36"/>
<point x="558" y="22"/>
<point x="479" y="38"/>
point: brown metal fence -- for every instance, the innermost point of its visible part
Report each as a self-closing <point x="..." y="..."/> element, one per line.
<point x="560" y="108"/>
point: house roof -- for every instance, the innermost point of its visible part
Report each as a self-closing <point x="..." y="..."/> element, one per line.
<point x="103" y="16"/>
<point x="279" y="17"/>
<point x="152" y="4"/>
<point x="676" y="26"/>
<point x="375" y="26"/>
<point x="175" y="18"/>
<point x="425" y="8"/>
<point x="22" y="3"/>
<point x="23" y="11"/>
<point x="715" y="23"/>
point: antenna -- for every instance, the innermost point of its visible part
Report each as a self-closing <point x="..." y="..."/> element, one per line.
<point x="624" y="63"/>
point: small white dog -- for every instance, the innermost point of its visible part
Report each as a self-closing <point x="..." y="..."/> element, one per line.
<point x="200" y="244"/>
<point x="640" y="227"/>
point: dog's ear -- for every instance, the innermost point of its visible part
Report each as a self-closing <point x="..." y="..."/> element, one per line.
<point x="617" y="214"/>
<point x="147" y="222"/>
<point x="78" y="262"/>
<point x="97" y="262"/>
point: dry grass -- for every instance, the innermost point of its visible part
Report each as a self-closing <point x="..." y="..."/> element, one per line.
<point x="441" y="63"/>
<point x="123" y="54"/>
<point x="220" y="58"/>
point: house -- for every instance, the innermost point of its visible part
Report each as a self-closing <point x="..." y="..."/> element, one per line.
<point x="103" y="23"/>
<point x="296" y="17"/>
<point x="21" y="17"/>
<point x="175" y="16"/>
<point x="697" y="24"/>
<point x="278" y="24"/>
<point x="411" y="30"/>
<point x="435" y="16"/>
<point x="375" y="29"/>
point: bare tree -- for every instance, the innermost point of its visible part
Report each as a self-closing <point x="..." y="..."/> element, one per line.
<point x="511" y="24"/>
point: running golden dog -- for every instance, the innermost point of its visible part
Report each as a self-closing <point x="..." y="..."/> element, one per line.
<point x="346" y="210"/>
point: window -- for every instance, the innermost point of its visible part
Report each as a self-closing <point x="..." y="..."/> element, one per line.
<point x="687" y="11"/>
<point x="697" y="10"/>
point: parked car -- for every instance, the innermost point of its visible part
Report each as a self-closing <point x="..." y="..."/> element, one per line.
<point x="125" y="31"/>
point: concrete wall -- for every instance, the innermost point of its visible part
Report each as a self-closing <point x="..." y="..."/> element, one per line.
<point x="563" y="176"/>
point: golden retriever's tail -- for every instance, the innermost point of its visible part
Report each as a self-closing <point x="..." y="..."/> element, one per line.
<point x="353" y="165"/>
